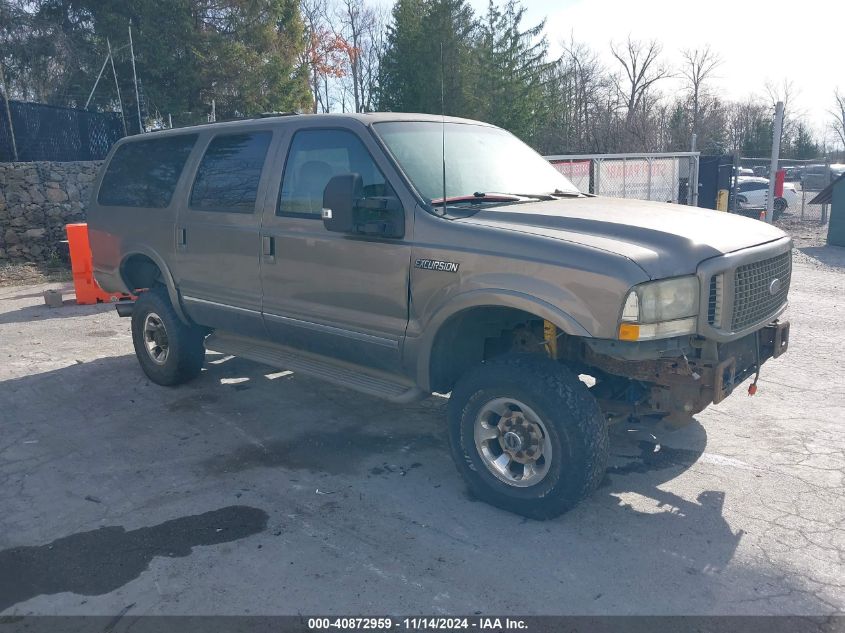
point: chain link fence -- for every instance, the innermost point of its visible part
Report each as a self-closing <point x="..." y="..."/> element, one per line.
<point x="659" y="177"/>
<point x="803" y="179"/>
<point x="48" y="133"/>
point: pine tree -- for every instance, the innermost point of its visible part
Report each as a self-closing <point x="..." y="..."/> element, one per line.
<point x="514" y="71"/>
<point x="242" y="53"/>
<point x="423" y="33"/>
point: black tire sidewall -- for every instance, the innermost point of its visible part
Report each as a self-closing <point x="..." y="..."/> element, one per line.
<point x="529" y="380"/>
<point x="185" y="342"/>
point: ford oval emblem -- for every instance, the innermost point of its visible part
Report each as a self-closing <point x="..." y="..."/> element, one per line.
<point x="774" y="286"/>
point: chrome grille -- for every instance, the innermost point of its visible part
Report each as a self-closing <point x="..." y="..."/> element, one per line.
<point x="753" y="300"/>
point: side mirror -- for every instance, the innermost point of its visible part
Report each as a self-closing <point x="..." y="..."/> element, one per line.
<point x="346" y="210"/>
<point x="339" y="199"/>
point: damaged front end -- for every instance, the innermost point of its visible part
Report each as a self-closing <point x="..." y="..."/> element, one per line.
<point x="675" y="387"/>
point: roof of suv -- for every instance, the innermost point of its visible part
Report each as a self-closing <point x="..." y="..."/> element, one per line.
<point x="292" y="118"/>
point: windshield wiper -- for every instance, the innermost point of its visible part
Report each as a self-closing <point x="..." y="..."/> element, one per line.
<point x="479" y="197"/>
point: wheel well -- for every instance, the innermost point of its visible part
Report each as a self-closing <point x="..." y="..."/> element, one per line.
<point x="477" y="334"/>
<point x="139" y="271"/>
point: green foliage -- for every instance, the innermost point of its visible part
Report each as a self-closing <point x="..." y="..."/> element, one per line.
<point x="758" y="141"/>
<point x="513" y="72"/>
<point x="241" y="53"/>
<point x="803" y="146"/>
<point x="492" y="69"/>
<point x="423" y="33"/>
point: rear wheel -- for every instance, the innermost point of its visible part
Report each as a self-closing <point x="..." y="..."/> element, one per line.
<point x="779" y="207"/>
<point x="527" y="435"/>
<point x="170" y="352"/>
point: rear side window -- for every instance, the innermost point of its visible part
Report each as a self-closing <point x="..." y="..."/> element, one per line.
<point x="228" y="176"/>
<point x="145" y="173"/>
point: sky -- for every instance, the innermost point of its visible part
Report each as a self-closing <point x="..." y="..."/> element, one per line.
<point x="798" y="40"/>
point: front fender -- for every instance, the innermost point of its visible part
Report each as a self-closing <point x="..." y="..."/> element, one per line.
<point x="501" y="298"/>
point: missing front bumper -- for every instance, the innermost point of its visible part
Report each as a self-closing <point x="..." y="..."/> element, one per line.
<point x="682" y="386"/>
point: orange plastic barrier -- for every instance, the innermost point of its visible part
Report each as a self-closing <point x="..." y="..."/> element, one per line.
<point x="82" y="266"/>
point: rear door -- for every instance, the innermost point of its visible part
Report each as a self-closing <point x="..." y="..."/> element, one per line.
<point x="334" y="294"/>
<point x="217" y="232"/>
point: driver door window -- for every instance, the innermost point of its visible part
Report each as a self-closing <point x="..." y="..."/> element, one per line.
<point x="315" y="156"/>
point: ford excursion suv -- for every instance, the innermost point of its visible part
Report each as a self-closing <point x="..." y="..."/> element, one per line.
<point x="402" y="255"/>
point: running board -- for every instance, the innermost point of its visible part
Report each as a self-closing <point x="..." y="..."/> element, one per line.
<point x="362" y="379"/>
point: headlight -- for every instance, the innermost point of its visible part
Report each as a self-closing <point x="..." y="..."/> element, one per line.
<point x="660" y="309"/>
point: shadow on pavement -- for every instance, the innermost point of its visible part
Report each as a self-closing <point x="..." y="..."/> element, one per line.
<point x="677" y="535"/>
<point x="41" y="312"/>
<point x="833" y="256"/>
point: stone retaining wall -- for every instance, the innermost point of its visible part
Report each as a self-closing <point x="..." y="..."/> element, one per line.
<point x="36" y="201"/>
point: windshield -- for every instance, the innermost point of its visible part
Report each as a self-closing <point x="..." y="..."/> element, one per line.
<point x="479" y="160"/>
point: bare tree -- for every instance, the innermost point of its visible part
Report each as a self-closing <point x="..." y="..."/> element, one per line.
<point x="583" y="85"/>
<point x="838" y="114"/>
<point x="363" y="27"/>
<point x="699" y="66"/>
<point x="786" y="92"/>
<point x="641" y="67"/>
<point x="313" y="16"/>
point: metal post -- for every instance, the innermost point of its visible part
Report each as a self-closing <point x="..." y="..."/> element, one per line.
<point x="829" y="177"/>
<point x="676" y="177"/>
<point x="735" y="183"/>
<point x="169" y="121"/>
<point x="692" y="185"/>
<point x="624" y="177"/>
<point x="776" y="134"/>
<point x="8" y="113"/>
<point x="117" y="87"/>
<point x="213" y="110"/>
<point x="803" y="198"/>
<point x="650" y="163"/>
<point x="693" y="196"/>
<point x="597" y="176"/>
<point x="135" y="78"/>
<point x="102" y="68"/>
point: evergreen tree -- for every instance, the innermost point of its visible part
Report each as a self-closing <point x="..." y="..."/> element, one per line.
<point x="804" y="146"/>
<point x="513" y="72"/>
<point x="399" y="83"/>
<point x="241" y="53"/>
<point x="423" y="33"/>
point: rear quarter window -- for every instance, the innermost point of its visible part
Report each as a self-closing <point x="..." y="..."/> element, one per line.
<point x="228" y="176"/>
<point x="145" y="173"/>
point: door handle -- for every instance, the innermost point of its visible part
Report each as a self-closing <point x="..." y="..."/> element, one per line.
<point x="181" y="236"/>
<point x="268" y="248"/>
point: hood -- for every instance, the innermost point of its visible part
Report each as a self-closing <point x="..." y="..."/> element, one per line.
<point x="665" y="240"/>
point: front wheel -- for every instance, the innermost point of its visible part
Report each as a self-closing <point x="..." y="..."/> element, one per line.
<point x="170" y="352"/>
<point x="527" y="435"/>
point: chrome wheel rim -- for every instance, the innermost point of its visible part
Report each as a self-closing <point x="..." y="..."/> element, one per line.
<point x="513" y="442"/>
<point x="155" y="339"/>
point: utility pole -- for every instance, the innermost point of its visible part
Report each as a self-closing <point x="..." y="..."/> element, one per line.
<point x="8" y="113"/>
<point x="135" y="78"/>
<point x="117" y="87"/>
<point x="778" y="130"/>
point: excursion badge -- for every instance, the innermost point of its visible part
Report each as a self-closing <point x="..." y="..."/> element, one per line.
<point x="436" y="264"/>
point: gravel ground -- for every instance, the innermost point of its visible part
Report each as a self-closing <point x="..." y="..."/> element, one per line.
<point x="254" y="491"/>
